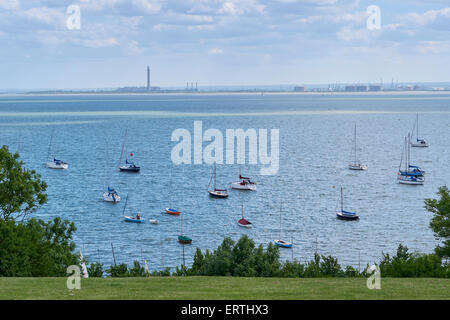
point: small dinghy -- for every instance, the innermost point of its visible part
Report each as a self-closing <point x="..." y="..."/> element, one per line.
<point x="153" y="221"/>
<point x="345" y="215"/>
<point x="217" y="193"/>
<point x="111" y="195"/>
<point x="173" y="211"/>
<point x="244" y="222"/>
<point x="137" y="219"/>
<point x="57" y="164"/>
<point x="283" y="244"/>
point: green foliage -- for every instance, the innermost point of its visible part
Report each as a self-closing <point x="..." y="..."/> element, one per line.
<point x="21" y="191"/>
<point x="406" y="264"/>
<point x="95" y="270"/>
<point x="35" y="248"/>
<point x="120" y="270"/>
<point x="440" y="223"/>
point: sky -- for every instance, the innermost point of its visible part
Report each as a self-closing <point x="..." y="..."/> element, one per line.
<point x="221" y="42"/>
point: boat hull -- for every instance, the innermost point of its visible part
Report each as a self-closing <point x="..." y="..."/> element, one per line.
<point x="358" y="167"/>
<point x="172" y="211"/>
<point x="404" y="180"/>
<point x="240" y="186"/>
<point x="131" y="219"/>
<point x="344" y="216"/>
<point x="61" y="166"/>
<point x="109" y="198"/>
<point x="422" y="144"/>
<point x="218" y="194"/>
<point x="283" y="244"/>
<point x="184" y="240"/>
<point x="129" y="169"/>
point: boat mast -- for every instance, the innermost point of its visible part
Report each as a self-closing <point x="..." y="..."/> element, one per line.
<point x="417" y="120"/>
<point x="280" y="218"/>
<point x="181" y="216"/>
<point x="123" y="145"/>
<point x="50" y="144"/>
<point x="242" y="211"/>
<point x="126" y="200"/>
<point x="214" y="176"/>
<point x="170" y="188"/>
<point x="342" y="200"/>
<point x="355" y="143"/>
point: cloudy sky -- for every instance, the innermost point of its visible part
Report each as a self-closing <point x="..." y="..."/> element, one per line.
<point x="221" y="42"/>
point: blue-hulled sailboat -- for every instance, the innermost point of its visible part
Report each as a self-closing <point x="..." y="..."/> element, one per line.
<point x="345" y="215"/>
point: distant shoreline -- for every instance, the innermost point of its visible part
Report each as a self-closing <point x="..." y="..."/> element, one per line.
<point x="218" y="93"/>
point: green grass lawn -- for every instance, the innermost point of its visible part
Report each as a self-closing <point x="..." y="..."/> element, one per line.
<point x="223" y="288"/>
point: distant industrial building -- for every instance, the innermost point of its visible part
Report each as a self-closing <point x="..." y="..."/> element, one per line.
<point x="299" y="89"/>
<point x="147" y="88"/>
<point x="375" y="87"/>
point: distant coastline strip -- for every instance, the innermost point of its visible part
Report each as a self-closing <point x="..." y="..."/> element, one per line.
<point x="46" y="123"/>
<point x="171" y="114"/>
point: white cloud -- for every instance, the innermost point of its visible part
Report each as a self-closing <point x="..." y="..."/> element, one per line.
<point x="215" y="51"/>
<point x="9" y="4"/>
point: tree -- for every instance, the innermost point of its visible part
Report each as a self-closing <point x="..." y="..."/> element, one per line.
<point x="440" y="223"/>
<point x="35" y="248"/>
<point x="21" y="190"/>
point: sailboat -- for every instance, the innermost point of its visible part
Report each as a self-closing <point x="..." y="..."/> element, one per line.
<point x="419" y="142"/>
<point x="137" y="219"/>
<point x="129" y="165"/>
<point x="244" y="183"/>
<point x="217" y="193"/>
<point x="244" y="222"/>
<point x="345" y="215"/>
<point x="110" y="195"/>
<point x="282" y="243"/>
<point x="356" y="165"/>
<point x="182" y="238"/>
<point x="170" y="210"/>
<point x="55" y="164"/>
<point x="412" y="175"/>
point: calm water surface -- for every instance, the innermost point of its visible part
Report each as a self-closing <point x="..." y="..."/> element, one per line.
<point x="316" y="135"/>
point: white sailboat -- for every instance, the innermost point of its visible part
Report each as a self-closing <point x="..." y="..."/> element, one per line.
<point x="282" y="243"/>
<point x="419" y="142"/>
<point x="55" y="164"/>
<point x="244" y="183"/>
<point x="356" y="165"/>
